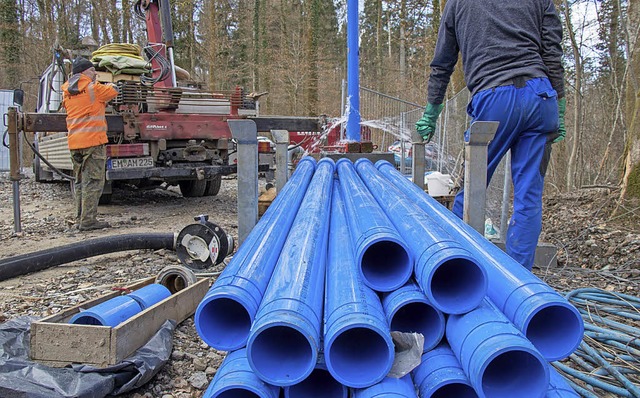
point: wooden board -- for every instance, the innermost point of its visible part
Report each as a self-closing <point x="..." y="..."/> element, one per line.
<point x="55" y="342"/>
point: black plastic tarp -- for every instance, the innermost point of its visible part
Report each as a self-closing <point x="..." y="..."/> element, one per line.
<point x="22" y="378"/>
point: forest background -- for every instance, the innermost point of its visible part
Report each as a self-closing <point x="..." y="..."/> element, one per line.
<point x="296" y="51"/>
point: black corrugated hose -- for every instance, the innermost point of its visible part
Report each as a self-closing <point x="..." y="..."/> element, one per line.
<point x="37" y="261"/>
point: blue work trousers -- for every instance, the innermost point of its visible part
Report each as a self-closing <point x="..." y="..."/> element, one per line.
<point x="528" y="116"/>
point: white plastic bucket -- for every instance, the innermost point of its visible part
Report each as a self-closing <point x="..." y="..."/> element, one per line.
<point x="439" y="184"/>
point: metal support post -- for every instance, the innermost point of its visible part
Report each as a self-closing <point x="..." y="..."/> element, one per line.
<point x="14" y="165"/>
<point x="506" y="197"/>
<point x="475" y="173"/>
<point x="282" y="157"/>
<point x="418" y="164"/>
<point x="246" y="134"/>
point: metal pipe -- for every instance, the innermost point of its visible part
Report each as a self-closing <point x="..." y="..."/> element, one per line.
<point x="441" y="375"/>
<point x="235" y="378"/>
<point x="14" y="165"/>
<point x="224" y="316"/>
<point x="353" y="79"/>
<point x="445" y="270"/>
<point x="408" y="310"/>
<point x="37" y="261"/>
<point x="388" y="388"/>
<point x="497" y="357"/>
<point x="506" y="197"/>
<point x="552" y="324"/>
<point x="382" y="256"/>
<point x="358" y="349"/>
<point x="285" y="336"/>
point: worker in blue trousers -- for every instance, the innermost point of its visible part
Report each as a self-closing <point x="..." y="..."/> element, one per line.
<point x="511" y="56"/>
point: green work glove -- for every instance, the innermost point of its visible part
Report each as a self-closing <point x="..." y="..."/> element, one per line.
<point x="426" y="126"/>
<point x="562" y="131"/>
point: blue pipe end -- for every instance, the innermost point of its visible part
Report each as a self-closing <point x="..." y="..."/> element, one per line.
<point x="555" y="329"/>
<point x="359" y="355"/>
<point x="109" y="313"/>
<point x="452" y="280"/>
<point x="319" y="384"/>
<point x="420" y="317"/>
<point x="281" y="355"/>
<point x="223" y="321"/>
<point x="385" y="264"/>
<point x="150" y="295"/>
<point x="512" y="373"/>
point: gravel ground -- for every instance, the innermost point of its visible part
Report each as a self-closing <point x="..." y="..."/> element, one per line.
<point x="596" y="249"/>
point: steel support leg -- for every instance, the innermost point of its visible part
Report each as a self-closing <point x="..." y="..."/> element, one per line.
<point x="475" y="173"/>
<point x="14" y="165"/>
<point x="282" y="159"/>
<point x="418" y="165"/>
<point x="246" y="135"/>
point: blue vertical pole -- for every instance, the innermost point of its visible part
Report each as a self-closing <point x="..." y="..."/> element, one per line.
<point x="353" y="80"/>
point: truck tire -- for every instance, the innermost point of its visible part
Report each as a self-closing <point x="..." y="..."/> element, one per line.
<point x="192" y="188"/>
<point x="213" y="186"/>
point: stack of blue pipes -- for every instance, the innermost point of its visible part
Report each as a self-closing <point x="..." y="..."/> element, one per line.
<point x="347" y="253"/>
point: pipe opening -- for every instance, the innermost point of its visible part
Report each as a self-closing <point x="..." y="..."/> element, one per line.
<point x="386" y="266"/>
<point x="458" y="285"/>
<point x="359" y="357"/>
<point x="422" y="318"/>
<point x="236" y="392"/>
<point x="88" y="320"/>
<point x="174" y="283"/>
<point x="223" y="323"/>
<point x="281" y="355"/>
<point x="457" y="390"/>
<point x="319" y="384"/>
<point x="555" y="331"/>
<point x="514" y="374"/>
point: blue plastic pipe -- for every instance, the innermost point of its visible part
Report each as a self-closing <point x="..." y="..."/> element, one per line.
<point x="552" y="324"/>
<point x="150" y="295"/>
<point x="388" y="388"/>
<point x="285" y="337"/>
<point x="109" y="313"/>
<point x="440" y="375"/>
<point x="223" y="318"/>
<point x="353" y="70"/>
<point x="558" y="386"/>
<point x="445" y="270"/>
<point x="319" y="384"/>
<point x="381" y="254"/>
<point x="235" y="379"/>
<point x="498" y="359"/>
<point x="358" y="348"/>
<point x="408" y="310"/>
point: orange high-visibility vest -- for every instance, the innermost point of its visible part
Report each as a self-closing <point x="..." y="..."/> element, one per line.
<point x="85" y="102"/>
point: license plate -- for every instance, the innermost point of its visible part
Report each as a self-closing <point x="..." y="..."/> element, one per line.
<point x="130" y="163"/>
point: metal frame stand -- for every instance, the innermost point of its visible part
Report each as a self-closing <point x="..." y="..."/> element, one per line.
<point x="246" y="134"/>
<point x="14" y="165"/>
<point x="475" y="173"/>
<point x="281" y="138"/>
<point x="418" y="164"/>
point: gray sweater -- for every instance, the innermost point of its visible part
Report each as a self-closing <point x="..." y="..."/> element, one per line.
<point x="499" y="40"/>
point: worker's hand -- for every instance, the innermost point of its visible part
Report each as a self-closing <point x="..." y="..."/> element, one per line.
<point x="426" y="126"/>
<point x="562" y="131"/>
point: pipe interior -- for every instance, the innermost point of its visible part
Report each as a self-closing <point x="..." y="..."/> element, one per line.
<point x="359" y="355"/>
<point x="237" y="393"/>
<point x="282" y="353"/>
<point x="319" y="384"/>
<point x="457" y="390"/>
<point x="88" y="320"/>
<point x="386" y="265"/>
<point x="555" y="331"/>
<point x="224" y="322"/>
<point x="174" y="283"/>
<point x="514" y="374"/>
<point x="422" y="318"/>
<point x="458" y="284"/>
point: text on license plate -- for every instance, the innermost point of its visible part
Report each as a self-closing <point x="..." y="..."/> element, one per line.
<point x="127" y="163"/>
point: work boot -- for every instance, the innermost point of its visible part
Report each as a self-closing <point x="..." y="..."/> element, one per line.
<point x="94" y="225"/>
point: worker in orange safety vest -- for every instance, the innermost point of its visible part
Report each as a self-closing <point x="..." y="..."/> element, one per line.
<point x="85" y="101"/>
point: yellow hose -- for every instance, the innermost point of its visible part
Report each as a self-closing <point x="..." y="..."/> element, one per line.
<point x="126" y="49"/>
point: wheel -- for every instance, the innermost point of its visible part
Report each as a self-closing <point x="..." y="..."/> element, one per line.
<point x="213" y="186"/>
<point x="192" y="188"/>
